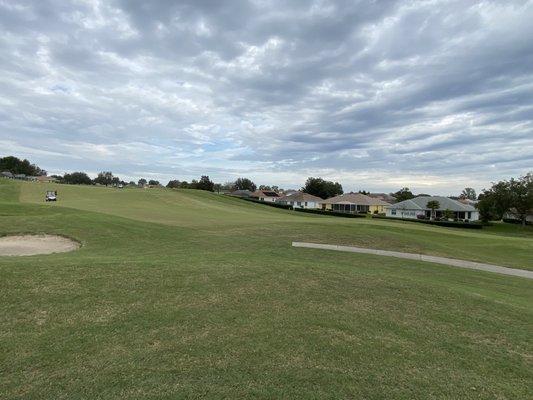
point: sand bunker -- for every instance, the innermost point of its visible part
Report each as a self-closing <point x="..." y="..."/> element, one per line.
<point x="28" y="245"/>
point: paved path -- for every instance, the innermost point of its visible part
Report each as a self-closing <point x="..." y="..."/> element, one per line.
<point x="421" y="257"/>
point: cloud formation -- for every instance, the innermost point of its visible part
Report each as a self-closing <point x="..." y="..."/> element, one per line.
<point x="434" y="94"/>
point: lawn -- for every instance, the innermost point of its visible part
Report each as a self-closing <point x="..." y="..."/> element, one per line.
<point x="187" y="294"/>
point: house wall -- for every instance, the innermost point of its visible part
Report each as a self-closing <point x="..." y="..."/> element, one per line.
<point x="268" y="199"/>
<point x="379" y="209"/>
<point x="302" y="204"/>
<point x="395" y="213"/>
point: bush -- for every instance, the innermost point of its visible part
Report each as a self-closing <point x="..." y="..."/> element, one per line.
<point x="266" y="203"/>
<point x="450" y="224"/>
<point x="331" y="213"/>
<point x="515" y="221"/>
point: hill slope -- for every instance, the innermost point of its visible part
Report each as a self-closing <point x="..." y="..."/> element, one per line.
<point x="229" y="309"/>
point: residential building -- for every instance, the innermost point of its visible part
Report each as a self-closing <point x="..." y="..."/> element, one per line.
<point x="300" y="200"/>
<point x="45" y="179"/>
<point x="354" y="203"/>
<point x="241" y="193"/>
<point x="417" y="208"/>
<point x="6" y="174"/>
<point x="265" y="195"/>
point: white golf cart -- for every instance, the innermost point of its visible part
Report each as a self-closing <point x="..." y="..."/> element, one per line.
<point x="51" y="195"/>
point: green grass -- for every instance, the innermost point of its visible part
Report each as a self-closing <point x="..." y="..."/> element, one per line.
<point x="186" y="294"/>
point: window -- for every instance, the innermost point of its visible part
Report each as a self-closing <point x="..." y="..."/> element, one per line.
<point x="306" y="203"/>
<point x="393" y="212"/>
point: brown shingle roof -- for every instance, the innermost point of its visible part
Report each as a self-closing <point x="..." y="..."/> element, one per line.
<point x="301" y="197"/>
<point x="355" y="198"/>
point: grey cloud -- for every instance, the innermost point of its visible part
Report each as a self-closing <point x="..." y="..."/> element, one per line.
<point x="349" y="89"/>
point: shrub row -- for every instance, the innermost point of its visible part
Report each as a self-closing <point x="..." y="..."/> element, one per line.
<point x="266" y="203"/>
<point x="515" y="221"/>
<point x="451" y="224"/>
<point x="332" y="213"/>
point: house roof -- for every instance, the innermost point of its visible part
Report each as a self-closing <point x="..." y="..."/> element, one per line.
<point x="355" y="198"/>
<point x="6" y="173"/>
<point x="241" y="193"/>
<point x="420" y="203"/>
<point x="301" y="197"/>
<point x="264" y="193"/>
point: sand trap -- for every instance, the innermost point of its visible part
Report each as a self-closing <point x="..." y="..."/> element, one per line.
<point x="28" y="245"/>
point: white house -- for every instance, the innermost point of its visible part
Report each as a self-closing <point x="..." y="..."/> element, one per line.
<point x="265" y="195"/>
<point x="300" y="200"/>
<point x="417" y="208"/>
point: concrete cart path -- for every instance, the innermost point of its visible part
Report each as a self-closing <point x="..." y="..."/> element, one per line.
<point x="421" y="257"/>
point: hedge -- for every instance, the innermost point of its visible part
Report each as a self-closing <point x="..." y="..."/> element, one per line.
<point x="266" y="203"/>
<point x="515" y="221"/>
<point x="332" y="213"/>
<point x="450" y="224"/>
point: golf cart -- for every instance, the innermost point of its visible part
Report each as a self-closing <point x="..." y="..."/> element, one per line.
<point x="51" y="195"/>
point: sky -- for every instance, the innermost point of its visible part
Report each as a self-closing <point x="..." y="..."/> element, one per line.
<point x="378" y="95"/>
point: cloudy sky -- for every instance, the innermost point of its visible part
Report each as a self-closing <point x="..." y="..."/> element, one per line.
<point x="434" y="95"/>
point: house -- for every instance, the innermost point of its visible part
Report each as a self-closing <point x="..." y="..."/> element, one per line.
<point x="354" y="203"/>
<point x="265" y="195"/>
<point x="417" y="208"/>
<point x="301" y="200"/>
<point x="6" y="174"/>
<point x="511" y="215"/>
<point x="240" y="193"/>
<point x="45" y="179"/>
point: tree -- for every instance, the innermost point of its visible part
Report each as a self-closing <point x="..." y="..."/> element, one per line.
<point x="18" y="166"/>
<point x="142" y="182"/>
<point x="433" y="205"/>
<point x="153" y="182"/>
<point x="174" y="184"/>
<point x="205" y="184"/>
<point x="403" y="194"/>
<point x="131" y="183"/>
<point x="363" y="192"/>
<point x="468" y="193"/>
<point x="244" y="184"/>
<point x="321" y="188"/>
<point x="104" y="178"/>
<point x="521" y="197"/>
<point x="448" y="214"/>
<point x="264" y="187"/>
<point x="77" y="178"/>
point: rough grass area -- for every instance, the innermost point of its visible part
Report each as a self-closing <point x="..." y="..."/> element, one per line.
<point x="184" y="294"/>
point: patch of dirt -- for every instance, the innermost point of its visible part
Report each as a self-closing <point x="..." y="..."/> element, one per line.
<point x="29" y="245"/>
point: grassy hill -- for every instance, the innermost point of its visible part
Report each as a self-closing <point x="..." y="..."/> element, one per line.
<point x="187" y="294"/>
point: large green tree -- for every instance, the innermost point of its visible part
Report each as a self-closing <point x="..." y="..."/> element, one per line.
<point x="17" y="166"/>
<point x="244" y="184"/>
<point x="403" y="194"/>
<point x="322" y="188"/>
<point x="77" y="178"/>
<point x="205" y="184"/>
<point x="104" y="178"/>
<point x="468" y="193"/>
<point x="433" y="205"/>
<point x="514" y="196"/>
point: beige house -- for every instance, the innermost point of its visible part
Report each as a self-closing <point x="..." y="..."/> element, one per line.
<point x="354" y="203"/>
<point x="265" y="195"/>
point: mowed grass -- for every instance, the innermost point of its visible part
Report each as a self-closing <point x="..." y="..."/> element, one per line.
<point x="182" y="294"/>
<point x="226" y="217"/>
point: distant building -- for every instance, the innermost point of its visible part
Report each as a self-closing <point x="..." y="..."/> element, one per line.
<point x="265" y="195"/>
<point x="6" y="174"/>
<point x="354" y="203"/>
<point x="300" y="200"/>
<point x="241" y="193"/>
<point x="417" y="208"/>
<point x="45" y="179"/>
